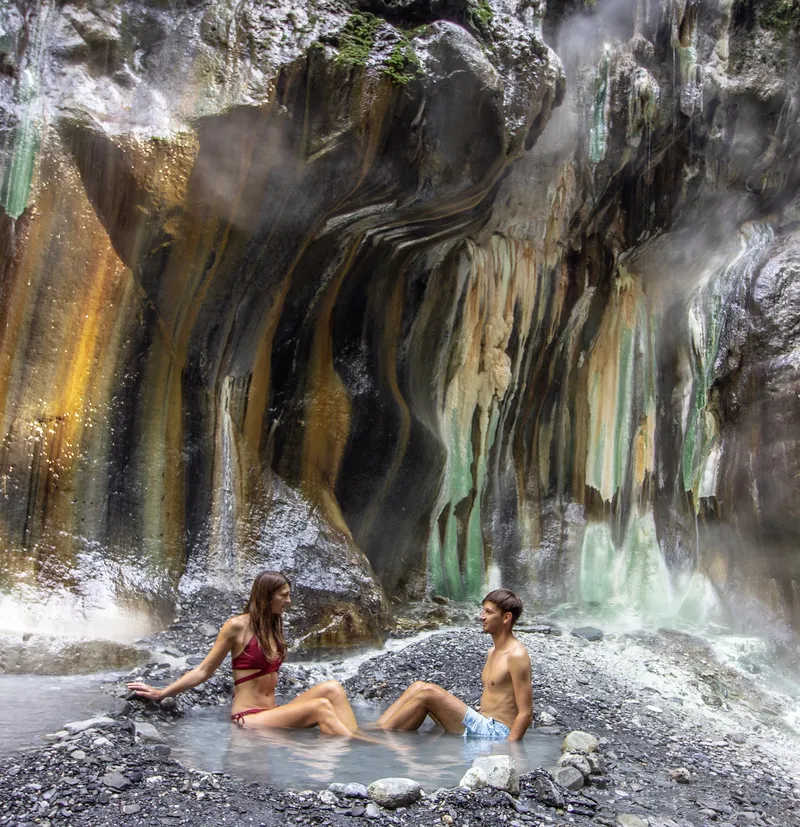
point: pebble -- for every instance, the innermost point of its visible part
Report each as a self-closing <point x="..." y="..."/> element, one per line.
<point x="101" y="741"/>
<point x="372" y="810"/>
<point x="78" y="755"/>
<point x="394" y="792"/>
<point x="351" y="790"/>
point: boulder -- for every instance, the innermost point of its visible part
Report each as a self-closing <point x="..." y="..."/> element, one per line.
<point x="578" y="741"/>
<point x="501" y="772"/>
<point x="474" y="779"/>
<point x="394" y="792"/>
<point x="567" y="777"/>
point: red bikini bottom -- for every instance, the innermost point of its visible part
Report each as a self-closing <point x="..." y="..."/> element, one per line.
<point x="238" y="718"/>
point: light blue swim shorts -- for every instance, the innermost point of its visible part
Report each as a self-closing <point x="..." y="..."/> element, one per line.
<point x="479" y="726"/>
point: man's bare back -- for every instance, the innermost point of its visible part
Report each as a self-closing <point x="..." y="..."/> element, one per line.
<point x="507" y="700"/>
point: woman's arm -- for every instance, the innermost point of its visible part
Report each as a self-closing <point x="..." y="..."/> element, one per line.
<point x="201" y="673"/>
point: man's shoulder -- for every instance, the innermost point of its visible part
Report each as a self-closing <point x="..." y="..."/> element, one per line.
<point x="519" y="652"/>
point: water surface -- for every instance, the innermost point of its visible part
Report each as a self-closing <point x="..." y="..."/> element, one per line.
<point x="305" y="759"/>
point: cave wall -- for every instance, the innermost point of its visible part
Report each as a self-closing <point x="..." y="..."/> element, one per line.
<point x="399" y="297"/>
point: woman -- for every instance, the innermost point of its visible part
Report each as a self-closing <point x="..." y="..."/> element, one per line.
<point x="257" y="646"/>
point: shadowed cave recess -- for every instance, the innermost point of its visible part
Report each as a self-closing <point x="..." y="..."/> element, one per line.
<point x="402" y="298"/>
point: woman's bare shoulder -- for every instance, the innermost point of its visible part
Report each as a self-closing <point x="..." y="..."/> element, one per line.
<point x="236" y="624"/>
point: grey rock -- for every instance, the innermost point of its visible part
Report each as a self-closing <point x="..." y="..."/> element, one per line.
<point x="327" y="797"/>
<point x="394" y="792"/>
<point x="372" y="810"/>
<point x="577" y="760"/>
<point x="567" y="777"/>
<point x="579" y="741"/>
<point x="116" y="780"/>
<point x="681" y="775"/>
<point x="131" y="809"/>
<point x="631" y="820"/>
<point x="74" y="727"/>
<point x="590" y="633"/>
<point x="546" y="719"/>
<point x="351" y="790"/>
<point x="148" y="733"/>
<point x="78" y="755"/>
<point x="101" y="741"/>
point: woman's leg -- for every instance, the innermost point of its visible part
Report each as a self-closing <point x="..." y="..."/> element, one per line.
<point x="301" y="714"/>
<point x="334" y="692"/>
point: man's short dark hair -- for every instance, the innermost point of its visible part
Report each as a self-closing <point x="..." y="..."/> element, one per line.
<point x="506" y="601"/>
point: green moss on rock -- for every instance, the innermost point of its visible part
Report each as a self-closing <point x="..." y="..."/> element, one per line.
<point x="480" y="14"/>
<point x="357" y="39"/>
<point x="780" y="15"/>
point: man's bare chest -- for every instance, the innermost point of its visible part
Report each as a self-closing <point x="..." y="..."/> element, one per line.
<point x="495" y="673"/>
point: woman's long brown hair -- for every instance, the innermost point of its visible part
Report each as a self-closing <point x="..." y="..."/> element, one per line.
<point x="267" y="627"/>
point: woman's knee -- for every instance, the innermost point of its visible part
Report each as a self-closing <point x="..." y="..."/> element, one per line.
<point x="333" y="690"/>
<point x="324" y="707"/>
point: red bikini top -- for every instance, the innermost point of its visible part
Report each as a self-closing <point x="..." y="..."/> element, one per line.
<point x="252" y="657"/>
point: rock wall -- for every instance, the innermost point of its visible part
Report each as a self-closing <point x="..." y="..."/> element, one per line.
<point x="380" y="294"/>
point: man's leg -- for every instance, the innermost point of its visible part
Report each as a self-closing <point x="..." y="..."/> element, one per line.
<point x="422" y="699"/>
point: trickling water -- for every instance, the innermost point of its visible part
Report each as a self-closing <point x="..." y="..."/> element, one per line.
<point x="305" y="759"/>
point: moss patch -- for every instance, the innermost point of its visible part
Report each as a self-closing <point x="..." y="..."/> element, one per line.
<point x="479" y="14"/>
<point x="357" y="41"/>
<point x="780" y="15"/>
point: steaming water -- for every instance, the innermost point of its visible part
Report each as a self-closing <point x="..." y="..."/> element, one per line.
<point x="32" y="705"/>
<point x="304" y="759"/>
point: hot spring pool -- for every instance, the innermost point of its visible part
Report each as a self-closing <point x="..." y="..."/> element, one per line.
<point x="307" y="760"/>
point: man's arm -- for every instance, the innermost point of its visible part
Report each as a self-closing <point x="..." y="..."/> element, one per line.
<point x="520" y="667"/>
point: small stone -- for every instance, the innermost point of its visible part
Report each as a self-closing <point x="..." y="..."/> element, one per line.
<point x="681" y="775"/>
<point x="474" y="779"/>
<point x="153" y="780"/>
<point x="631" y="820"/>
<point x="447" y="819"/>
<point x="357" y="811"/>
<point x="546" y="719"/>
<point x="578" y="741"/>
<point x="74" y="727"/>
<point x="567" y="777"/>
<point x="116" y="780"/>
<point x="56" y="736"/>
<point x="596" y="763"/>
<point x="327" y="797"/>
<point x="148" y="733"/>
<point x="394" y="792"/>
<point x="351" y="790"/>
<point x="372" y="810"/>
<point x="130" y="809"/>
<point x="590" y="633"/>
<point x="101" y="741"/>
<point x="207" y="629"/>
<point x="169" y="704"/>
<point x="78" y="755"/>
<point x="737" y="738"/>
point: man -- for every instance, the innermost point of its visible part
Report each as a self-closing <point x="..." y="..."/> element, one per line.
<point x="507" y="699"/>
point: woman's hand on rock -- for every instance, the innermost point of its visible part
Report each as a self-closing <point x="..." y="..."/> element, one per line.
<point x="144" y="690"/>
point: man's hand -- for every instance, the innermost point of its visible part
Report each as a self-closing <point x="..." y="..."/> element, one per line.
<point x="144" y="690"/>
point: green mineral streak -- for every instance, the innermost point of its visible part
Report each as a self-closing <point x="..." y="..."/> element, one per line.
<point x="435" y="562"/>
<point x="599" y="130"/>
<point x="597" y="564"/>
<point x="17" y="170"/>
<point x="624" y="409"/>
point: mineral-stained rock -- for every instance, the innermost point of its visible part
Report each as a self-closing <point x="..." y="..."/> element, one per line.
<point x="474" y="779"/>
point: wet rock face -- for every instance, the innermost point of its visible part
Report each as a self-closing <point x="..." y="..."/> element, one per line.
<point x="216" y="291"/>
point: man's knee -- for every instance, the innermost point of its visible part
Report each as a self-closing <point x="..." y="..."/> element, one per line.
<point x="430" y="691"/>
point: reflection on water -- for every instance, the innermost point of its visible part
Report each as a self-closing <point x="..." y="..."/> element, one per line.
<point x="31" y="706"/>
<point x="305" y="759"/>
